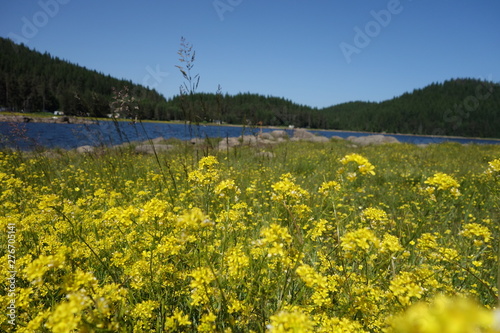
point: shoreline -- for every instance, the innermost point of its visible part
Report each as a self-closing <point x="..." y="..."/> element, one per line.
<point x="30" y="118"/>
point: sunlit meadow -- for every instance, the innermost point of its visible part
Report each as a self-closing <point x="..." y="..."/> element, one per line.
<point x="308" y="237"/>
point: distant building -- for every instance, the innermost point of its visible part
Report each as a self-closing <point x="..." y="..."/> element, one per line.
<point x="58" y="113"/>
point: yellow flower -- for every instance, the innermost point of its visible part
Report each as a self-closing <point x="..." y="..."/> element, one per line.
<point x="287" y="192"/>
<point x="329" y="187"/>
<point x="144" y="310"/>
<point x="38" y="267"/>
<point x="444" y="315"/>
<point x="338" y="325"/>
<point x="404" y="287"/>
<point x="48" y="201"/>
<point x="374" y="214"/>
<point x="361" y="239"/>
<point x="193" y="219"/>
<point x="444" y="182"/>
<point x="376" y="217"/>
<point x="237" y="261"/>
<point x="226" y="187"/>
<point x="475" y="231"/>
<point x="494" y="166"/>
<point x="321" y="284"/>
<point x="202" y="277"/>
<point x="390" y="244"/>
<point x="427" y="241"/>
<point x="318" y="228"/>
<point x="177" y="319"/>
<point x="364" y="166"/>
<point x="276" y="237"/>
<point x="207" y="172"/>
<point x="208" y="323"/>
<point x="153" y="209"/>
<point x="290" y="321"/>
<point x="67" y="315"/>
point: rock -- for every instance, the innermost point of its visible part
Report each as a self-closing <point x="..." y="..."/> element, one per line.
<point x="302" y="134"/>
<point x="279" y="134"/>
<point x="265" y="136"/>
<point x="247" y="140"/>
<point x="158" y="140"/>
<point x="228" y="143"/>
<point x="85" y="149"/>
<point x="268" y="142"/>
<point x="150" y="149"/>
<point x="318" y="138"/>
<point x="372" y="139"/>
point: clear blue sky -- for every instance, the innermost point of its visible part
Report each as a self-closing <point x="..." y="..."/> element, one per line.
<point x="318" y="53"/>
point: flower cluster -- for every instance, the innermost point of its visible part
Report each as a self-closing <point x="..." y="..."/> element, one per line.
<point x="445" y="314"/>
<point x="363" y="165"/>
<point x="306" y="241"/>
<point x="494" y="167"/>
<point x="444" y="183"/>
<point x="207" y="173"/>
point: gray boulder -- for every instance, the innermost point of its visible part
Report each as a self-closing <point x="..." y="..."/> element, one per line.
<point x="372" y="139"/>
<point x="319" y="138"/>
<point x="302" y="134"/>
<point x="85" y="149"/>
<point x="279" y="134"/>
<point x="266" y="136"/>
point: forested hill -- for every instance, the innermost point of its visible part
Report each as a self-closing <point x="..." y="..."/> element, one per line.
<point x="461" y="107"/>
<point x="33" y="82"/>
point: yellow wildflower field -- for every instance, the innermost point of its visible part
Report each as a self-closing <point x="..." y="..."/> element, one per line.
<point x="312" y="237"/>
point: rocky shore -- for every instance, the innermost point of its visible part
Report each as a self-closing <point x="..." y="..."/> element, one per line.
<point x="262" y="140"/>
<point x="37" y="119"/>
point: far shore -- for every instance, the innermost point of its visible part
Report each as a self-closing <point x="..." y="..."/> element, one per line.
<point x="31" y="118"/>
<point x="18" y="117"/>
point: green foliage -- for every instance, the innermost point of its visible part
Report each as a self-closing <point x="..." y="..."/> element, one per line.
<point x="34" y="82"/>
<point x="458" y="107"/>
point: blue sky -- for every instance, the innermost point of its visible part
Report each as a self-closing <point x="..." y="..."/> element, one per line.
<point x="318" y="53"/>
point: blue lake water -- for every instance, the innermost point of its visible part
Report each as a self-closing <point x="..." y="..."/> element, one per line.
<point x="27" y="136"/>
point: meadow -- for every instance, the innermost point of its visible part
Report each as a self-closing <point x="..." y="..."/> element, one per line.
<point x="297" y="237"/>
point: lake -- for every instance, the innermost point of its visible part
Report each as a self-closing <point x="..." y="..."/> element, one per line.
<point x="27" y="136"/>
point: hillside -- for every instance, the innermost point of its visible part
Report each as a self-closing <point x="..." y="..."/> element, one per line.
<point x="458" y="107"/>
<point x="34" y="82"/>
<point x="31" y="81"/>
<point x="461" y="107"/>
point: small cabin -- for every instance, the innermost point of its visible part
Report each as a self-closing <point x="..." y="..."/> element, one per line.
<point x="58" y="113"/>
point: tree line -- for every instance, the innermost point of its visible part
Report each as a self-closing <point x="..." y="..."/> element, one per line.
<point x="32" y="82"/>
<point x="457" y="107"/>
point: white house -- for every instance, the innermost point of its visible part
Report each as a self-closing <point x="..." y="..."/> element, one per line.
<point x="58" y="113"/>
